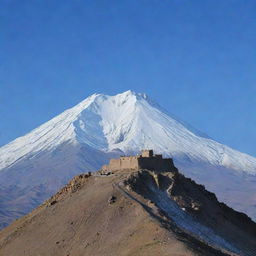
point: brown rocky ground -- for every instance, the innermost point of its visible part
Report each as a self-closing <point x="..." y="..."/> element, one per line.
<point x="119" y="214"/>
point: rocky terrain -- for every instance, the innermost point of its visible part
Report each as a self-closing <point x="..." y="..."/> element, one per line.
<point x="131" y="213"/>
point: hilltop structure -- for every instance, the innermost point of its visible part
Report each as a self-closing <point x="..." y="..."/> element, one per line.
<point x="146" y="160"/>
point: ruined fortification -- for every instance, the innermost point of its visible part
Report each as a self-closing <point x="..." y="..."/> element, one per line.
<point x="146" y="160"/>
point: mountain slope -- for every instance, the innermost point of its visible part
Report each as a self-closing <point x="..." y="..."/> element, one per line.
<point x="131" y="213"/>
<point x="128" y="122"/>
<point x="101" y="127"/>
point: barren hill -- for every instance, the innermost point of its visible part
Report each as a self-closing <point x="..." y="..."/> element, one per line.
<point x="131" y="213"/>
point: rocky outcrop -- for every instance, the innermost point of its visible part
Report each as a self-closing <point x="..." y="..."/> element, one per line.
<point x="197" y="207"/>
<point x="75" y="184"/>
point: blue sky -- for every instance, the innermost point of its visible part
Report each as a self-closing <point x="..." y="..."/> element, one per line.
<point x="196" y="58"/>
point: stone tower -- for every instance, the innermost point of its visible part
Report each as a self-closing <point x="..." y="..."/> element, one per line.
<point x="147" y="153"/>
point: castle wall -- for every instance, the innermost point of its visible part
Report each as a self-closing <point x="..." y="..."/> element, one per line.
<point x="122" y="163"/>
<point x="147" y="153"/>
<point x="129" y="162"/>
<point x="156" y="163"/>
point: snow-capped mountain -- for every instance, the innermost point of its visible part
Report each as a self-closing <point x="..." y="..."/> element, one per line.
<point x="129" y="122"/>
<point x="100" y="127"/>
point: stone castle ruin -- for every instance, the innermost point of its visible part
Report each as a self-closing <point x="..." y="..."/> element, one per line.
<point x="146" y="160"/>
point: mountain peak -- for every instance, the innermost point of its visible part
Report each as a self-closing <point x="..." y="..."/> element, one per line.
<point x="128" y="121"/>
<point x="131" y="93"/>
<point x="127" y="93"/>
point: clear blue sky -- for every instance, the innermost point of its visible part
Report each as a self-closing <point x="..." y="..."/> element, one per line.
<point x="196" y="58"/>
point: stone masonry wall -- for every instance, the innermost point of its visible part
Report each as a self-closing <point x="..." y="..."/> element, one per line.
<point x="157" y="164"/>
<point x="123" y="163"/>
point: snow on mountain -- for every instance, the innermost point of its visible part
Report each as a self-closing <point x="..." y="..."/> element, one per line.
<point x="129" y="122"/>
<point x="100" y="127"/>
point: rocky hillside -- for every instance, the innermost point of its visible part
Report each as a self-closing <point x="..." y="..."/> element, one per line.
<point x="131" y="213"/>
